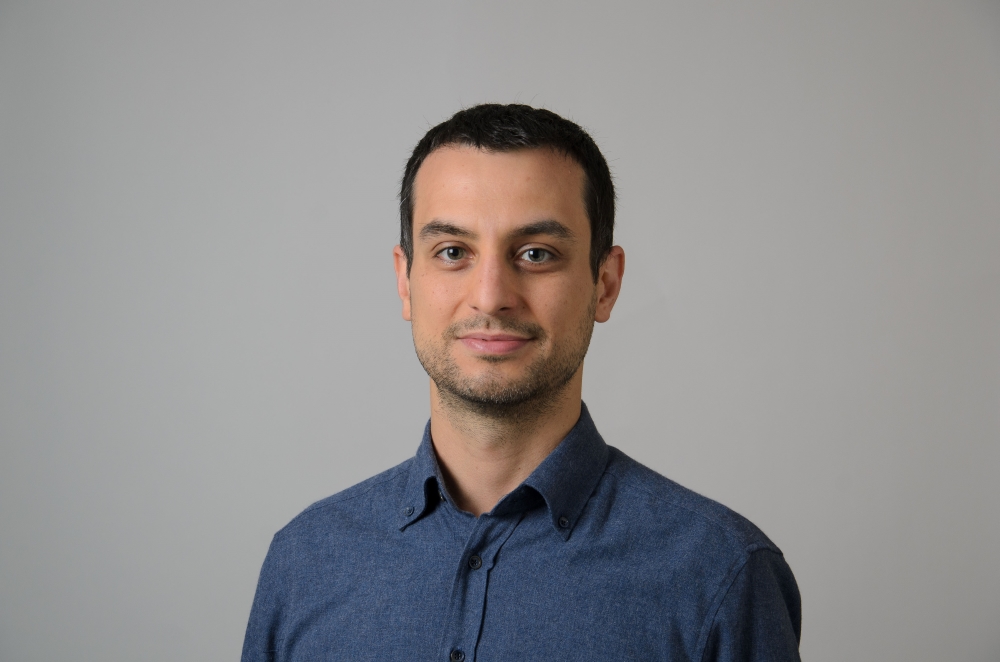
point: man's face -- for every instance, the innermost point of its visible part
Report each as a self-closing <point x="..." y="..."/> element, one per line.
<point x="500" y="292"/>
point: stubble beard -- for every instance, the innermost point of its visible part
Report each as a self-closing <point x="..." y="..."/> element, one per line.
<point x="492" y="397"/>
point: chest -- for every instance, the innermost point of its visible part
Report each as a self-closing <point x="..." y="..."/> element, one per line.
<point x="508" y="589"/>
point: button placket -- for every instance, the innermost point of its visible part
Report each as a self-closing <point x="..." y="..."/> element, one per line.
<point x="468" y="597"/>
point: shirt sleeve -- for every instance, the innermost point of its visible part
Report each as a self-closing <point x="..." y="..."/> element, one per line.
<point x="760" y="616"/>
<point x="260" y="642"/>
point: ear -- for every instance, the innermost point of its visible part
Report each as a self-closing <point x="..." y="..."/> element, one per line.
<point x="609" y="283"/>
<point x="402" y="280"/>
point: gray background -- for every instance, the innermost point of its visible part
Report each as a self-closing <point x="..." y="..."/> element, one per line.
<point x="200" y="335"/>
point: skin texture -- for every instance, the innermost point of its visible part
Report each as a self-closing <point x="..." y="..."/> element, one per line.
<point x="502" y="303"/>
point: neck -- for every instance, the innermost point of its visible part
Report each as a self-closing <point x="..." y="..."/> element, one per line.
<point x="486" y="454"/>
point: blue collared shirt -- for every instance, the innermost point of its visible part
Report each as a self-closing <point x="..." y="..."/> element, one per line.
<point x="593" y="557"/>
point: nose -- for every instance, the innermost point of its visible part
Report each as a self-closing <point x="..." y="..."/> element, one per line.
<point x="494" y="287"/>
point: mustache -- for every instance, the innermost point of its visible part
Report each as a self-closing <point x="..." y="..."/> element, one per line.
<point x="488" y="323"/>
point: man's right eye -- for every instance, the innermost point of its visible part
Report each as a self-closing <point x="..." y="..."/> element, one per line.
<point x="452" y="253"/>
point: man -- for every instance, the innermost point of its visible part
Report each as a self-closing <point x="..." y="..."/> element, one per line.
<point x="516" y="533"/>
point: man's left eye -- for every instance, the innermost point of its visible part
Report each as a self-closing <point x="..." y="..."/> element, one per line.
<point x="536" y="255"/>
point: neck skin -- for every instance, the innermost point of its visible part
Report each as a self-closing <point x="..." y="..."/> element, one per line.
<point x="484" y="458"/>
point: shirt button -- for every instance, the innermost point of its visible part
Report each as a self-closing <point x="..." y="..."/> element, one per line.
<point x="408" y="511"/>
<point x="563" y="522"/>
<point x="475" y="562"/>
<point x="456" y="656"/>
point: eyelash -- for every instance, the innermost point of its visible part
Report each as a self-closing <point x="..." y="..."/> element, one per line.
<point x="551" y="256"/>
<point x="449" y="248"/>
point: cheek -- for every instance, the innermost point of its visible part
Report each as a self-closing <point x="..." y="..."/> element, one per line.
<point x="562" y="308"/>
<point x="433" y="302"/>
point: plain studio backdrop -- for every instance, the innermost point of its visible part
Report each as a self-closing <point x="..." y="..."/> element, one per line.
<point x="200" y="334"/>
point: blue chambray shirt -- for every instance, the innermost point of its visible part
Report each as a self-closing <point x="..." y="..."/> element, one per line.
<point x="593" y="557"/>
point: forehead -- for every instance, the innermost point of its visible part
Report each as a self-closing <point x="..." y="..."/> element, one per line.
<point x="466" y="183"/>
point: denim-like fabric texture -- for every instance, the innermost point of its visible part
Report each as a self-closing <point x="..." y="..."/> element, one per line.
<point x="593" y="557"/>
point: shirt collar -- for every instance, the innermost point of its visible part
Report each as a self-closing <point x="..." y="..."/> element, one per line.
<point x="569" y="475"/>
<point x="565" y="479"/>
<point x="422" y="485"/>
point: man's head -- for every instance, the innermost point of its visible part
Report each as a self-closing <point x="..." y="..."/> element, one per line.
<point x="498" y="278"/>
<point x="506" y="128"/>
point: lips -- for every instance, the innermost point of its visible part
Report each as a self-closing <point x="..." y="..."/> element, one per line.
<point x="493" y="343"/>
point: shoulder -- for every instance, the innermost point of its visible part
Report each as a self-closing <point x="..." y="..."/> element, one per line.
<point x="367" y="505"/>
<point x="679" y="512"/>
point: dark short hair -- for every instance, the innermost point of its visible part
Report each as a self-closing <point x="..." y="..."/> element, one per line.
<point x="504" y="128"/>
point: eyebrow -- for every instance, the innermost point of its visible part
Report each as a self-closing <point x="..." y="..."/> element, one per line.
<point x="550" y="227"/>
<point x="438" y="228"/>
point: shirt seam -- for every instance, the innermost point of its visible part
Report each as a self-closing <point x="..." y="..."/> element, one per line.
<point x="728" y="530"/>
<point x="723" y="593"/>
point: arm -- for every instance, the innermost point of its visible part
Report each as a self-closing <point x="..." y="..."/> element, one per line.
<point x="759" y="618"/>
<point x="260" y="641"/>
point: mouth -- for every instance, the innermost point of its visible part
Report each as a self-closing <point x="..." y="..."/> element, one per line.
<point x="482" y="342"/>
